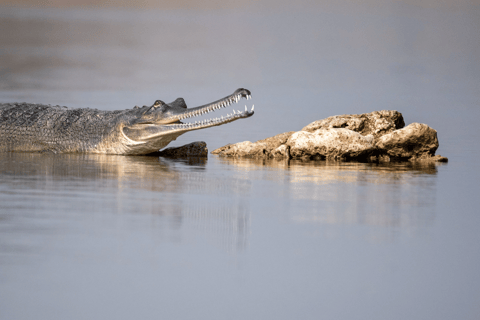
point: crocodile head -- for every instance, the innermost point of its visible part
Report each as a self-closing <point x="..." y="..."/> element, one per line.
<point x="151" y="128"/>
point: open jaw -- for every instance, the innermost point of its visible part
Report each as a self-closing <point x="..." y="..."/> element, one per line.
<point x="189" y="126"/>
<point x="173" y="126"/>
<point x="205" y="109"/>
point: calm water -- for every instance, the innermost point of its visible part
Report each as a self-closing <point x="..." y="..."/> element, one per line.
<point x="114" y="237"/>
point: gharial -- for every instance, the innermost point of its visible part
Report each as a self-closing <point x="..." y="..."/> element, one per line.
<point x="44" y="128"/>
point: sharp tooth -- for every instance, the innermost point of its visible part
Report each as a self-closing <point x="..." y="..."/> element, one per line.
<point x="246" y="108"/>
<point x="234" y="112"/>
<point x="253" y="106"/>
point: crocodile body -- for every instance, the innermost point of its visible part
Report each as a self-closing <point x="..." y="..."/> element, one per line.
<point x="29" y="127"/>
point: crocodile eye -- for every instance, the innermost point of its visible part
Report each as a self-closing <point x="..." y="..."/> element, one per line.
<point x="158" y="103"/>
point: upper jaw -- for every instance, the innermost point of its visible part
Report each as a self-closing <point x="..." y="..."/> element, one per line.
<point x="176" y="114"/>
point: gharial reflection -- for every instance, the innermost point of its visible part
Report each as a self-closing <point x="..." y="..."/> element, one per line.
<point x="178" y="192"/>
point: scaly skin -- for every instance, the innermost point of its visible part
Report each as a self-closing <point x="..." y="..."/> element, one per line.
<point x="43" y="128"/>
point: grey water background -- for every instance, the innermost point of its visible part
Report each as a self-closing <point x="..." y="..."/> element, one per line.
<point x="114" y="237"/>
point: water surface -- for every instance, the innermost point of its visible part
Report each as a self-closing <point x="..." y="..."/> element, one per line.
<point x="115" y="237"/>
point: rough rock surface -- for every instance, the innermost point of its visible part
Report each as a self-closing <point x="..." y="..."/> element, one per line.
<point x="376" y="123"/>
<point x="331" y="144"/>
<point x="376" y="136"/>
<point x="265" y="148"/>
<point x="415" y="141"/>
<point x="194" y="149"/>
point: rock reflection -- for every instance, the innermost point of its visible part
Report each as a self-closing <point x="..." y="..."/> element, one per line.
<point x="333" y="171"/>
<point x="386" y="195"/>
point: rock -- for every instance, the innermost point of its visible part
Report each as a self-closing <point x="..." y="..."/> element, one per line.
<point x="379" y="136"/>
<point x="242" y="149"/>
<point x="436" y="158"/>
<point x="415" y="141"/>
<point x="376" y="123"/>
<point x="331" y="144"/>
<point x="281" y="152"/>
<point x="194" y="149"/>
<point x="274" y="142"/>
<point x="261" y="149"/>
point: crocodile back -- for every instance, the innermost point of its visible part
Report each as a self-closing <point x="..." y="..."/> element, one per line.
<point x="38" y="127"/>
